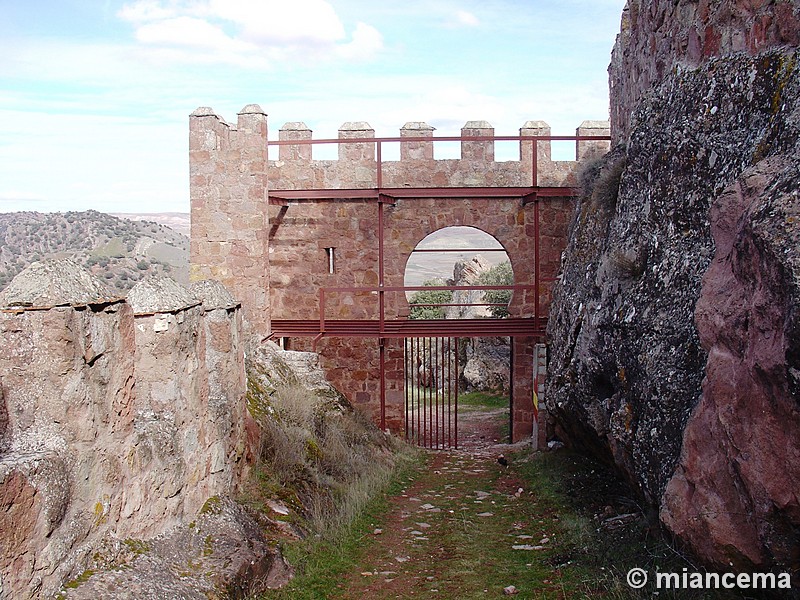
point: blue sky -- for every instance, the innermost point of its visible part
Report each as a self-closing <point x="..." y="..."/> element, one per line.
<point x="95" y="95"/>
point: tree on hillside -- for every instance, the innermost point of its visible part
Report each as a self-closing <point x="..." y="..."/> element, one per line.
<point x="500" y="274"/>
<point x="429" y="297"/>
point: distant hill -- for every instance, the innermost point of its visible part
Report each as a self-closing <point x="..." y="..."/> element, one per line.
<point x="119" y="251"/>
<point x="174" y="220"/>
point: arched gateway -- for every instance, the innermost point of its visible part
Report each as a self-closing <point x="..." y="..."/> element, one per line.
<point x="316" y="249"/>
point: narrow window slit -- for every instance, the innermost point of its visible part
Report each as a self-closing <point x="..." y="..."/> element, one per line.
<point x="331" y="254"/>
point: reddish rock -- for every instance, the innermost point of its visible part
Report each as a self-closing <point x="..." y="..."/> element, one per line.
<point x="733" y="497"/>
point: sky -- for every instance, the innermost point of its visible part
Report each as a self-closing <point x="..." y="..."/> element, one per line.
<point x="95" y="95"/>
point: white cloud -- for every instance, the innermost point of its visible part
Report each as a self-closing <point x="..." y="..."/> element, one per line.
<point x="249" y="32"/>
<point x="188" y="31"/>
<point x="367" y="41"/>
<point x="466" y="19"/>
<point x="276" y="22"/>
<point x="145" y="10"/>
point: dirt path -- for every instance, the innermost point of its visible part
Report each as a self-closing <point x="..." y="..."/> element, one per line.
<point x="452" y="531"/>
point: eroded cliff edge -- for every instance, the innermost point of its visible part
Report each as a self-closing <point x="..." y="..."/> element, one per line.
<point x="676" y="327"/>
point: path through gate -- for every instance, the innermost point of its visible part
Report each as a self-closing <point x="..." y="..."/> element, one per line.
<point x="431" y="388"/>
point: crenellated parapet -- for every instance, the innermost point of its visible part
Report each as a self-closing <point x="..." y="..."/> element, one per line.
<point x="361" y="157"/>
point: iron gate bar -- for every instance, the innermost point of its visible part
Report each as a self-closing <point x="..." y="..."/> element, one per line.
<point x="424" y="400"/>
<point x="405" y="385"/>
<point x="435" y="388"/>
<point x="431" y="378"/>
<point x="449" y="379"/>
<point x="455" y="438"/>
<point x="536" y="261"/>
<point x="419" y="394"/>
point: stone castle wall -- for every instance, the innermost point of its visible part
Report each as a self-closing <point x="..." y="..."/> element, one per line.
<point x="300" y="236"/>
<point x="119" y="422"/>
<point x="228" y="180"/>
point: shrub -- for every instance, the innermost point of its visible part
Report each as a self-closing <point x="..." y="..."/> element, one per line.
<point x="429" y="297"/>
<point x="501" y="274"/>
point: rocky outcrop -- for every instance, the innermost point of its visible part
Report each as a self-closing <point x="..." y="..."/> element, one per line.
<point x="675" y="324"/>
<point x="115" y="424"/>
<point x="485" y="361"/>
<point x="220" y="554"/>
<point x="486" y="366"/>
<point x="468" y="272"/>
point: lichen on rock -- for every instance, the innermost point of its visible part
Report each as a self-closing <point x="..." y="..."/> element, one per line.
<point x="61" y="282"/>
<point x="213" y="295"/>
<point x="160" y="295"/>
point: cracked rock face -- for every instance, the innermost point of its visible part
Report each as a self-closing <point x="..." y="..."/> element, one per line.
<point x="675" y="336"/>
<point x="112" y="425"/>
<point x="213" y="295"/>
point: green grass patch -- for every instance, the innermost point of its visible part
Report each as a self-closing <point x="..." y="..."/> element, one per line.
<point x="483" y="400"/>
<point x="592" y="555"/>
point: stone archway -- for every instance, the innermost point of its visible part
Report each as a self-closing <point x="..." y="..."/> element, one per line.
<point x="440" y="371"/>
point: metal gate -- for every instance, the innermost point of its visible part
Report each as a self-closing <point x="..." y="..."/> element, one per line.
<point x="431" y="384"/>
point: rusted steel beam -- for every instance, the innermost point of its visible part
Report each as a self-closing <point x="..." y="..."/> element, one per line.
<point x="457" y="250"/>
<point x="436" y="288"/>
<point x="389" y="195"/>
<point x="536" y="261"/>
<point x="445" y="138"/>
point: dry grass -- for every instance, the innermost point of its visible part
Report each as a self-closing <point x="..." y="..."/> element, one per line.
<point x="324" y="462"/>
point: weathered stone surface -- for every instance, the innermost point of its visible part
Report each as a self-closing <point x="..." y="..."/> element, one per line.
<point x="55" y="283"/>
<point x="213" y="295"/>
<point x="467" y="272"/>
<point x="487" y="366"/>
<point x="658" y="37"/>
<point x="222" y="551"/>
<point x="112" y="426"/>
<point x="275" y="367"/>
<point x="160" y="295"/>
<point x="228" y="184"/>
<point x="680" y="369"/>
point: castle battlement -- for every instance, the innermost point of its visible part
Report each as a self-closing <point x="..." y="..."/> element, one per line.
<point x="362" y="159"/>
<point x="360" y="152"/>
